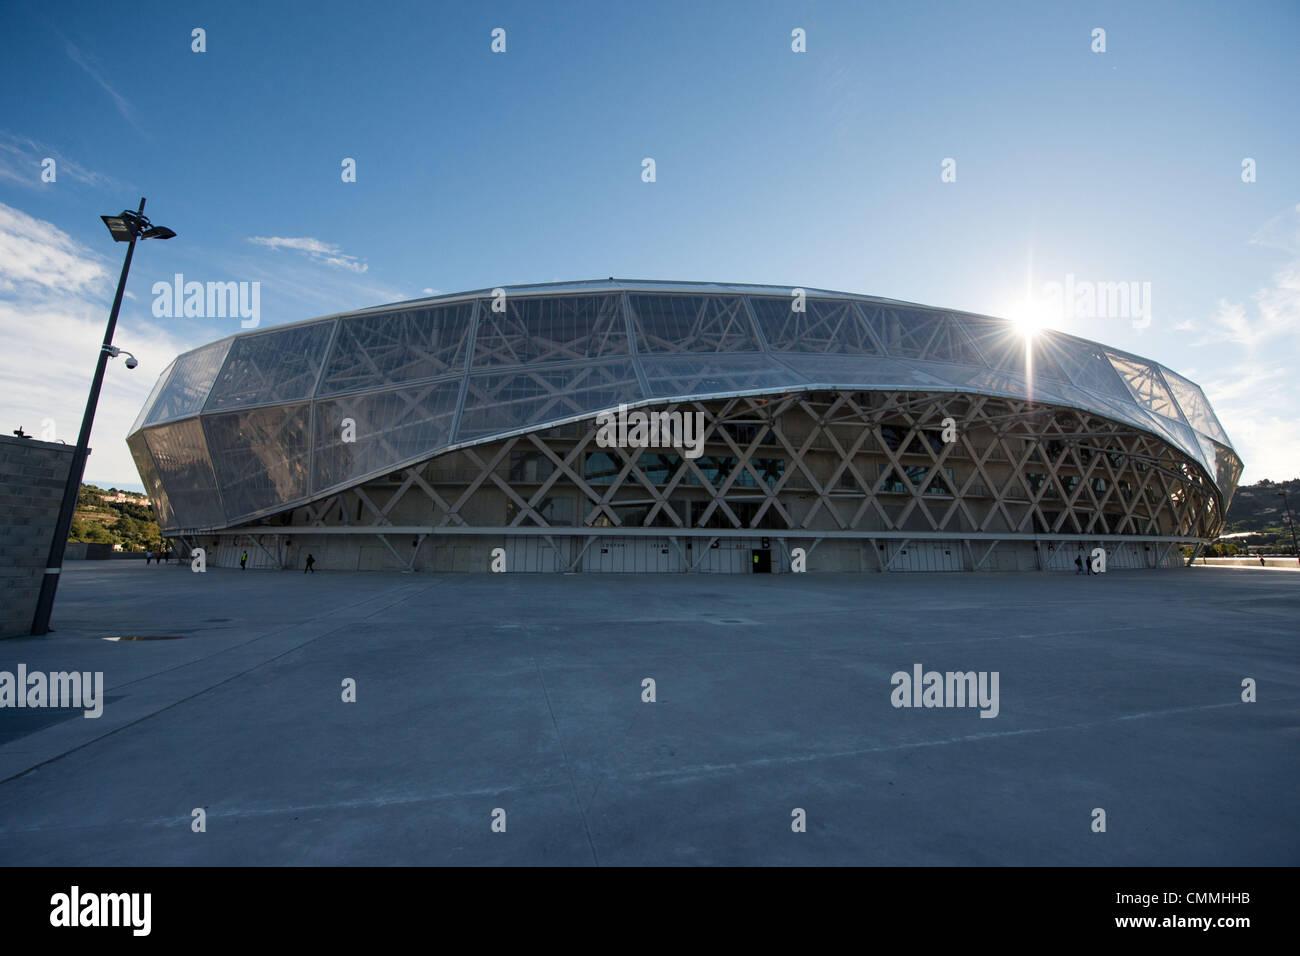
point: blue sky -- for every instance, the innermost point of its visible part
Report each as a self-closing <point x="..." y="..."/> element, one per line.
<point x="818" y="169"/>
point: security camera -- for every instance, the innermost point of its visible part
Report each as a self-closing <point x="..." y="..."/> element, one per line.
<point x="131" y="361"/>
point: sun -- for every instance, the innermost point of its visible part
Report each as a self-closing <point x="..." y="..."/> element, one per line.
<point x="1024" y="316"/>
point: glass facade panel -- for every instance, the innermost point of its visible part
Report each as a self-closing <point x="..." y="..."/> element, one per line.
<point x="499" y="402"/>
<point x="715" y="468"/>
<point x="984" y="379"/>
<point x="1084" y="365"/>
<point x="181" y="457"/>
<point x="1006" y="348"/>
<point x="1178" y="434"/>
<point x="602" y="467"/>
<point x="826" y="326"/>
<point x="692" y="323"/>
<point x="1125" y="411"/>
<point x="659" y="467"/>
<point x="371" y="351"/>
<point x="893" y="483"/>
<point x="1195" y="408"/>
<point x="276" y="366"/>
<point x="260" y="457"/>
<point x="671" y="377"/>
<point x="530" y="467"/>
<point x="914" y="333"/>
<point x="399" y="425"/>
<point x="558" y="329"/>
<point x="1228" y="470"/>
<point x="1146" y="385"/>
<point x="153" y="485"/>
<point x="836" y="371"/>
<point x="153" y="397"/>
<point x="192" y="378"/>
<point x="1209" y="455"/>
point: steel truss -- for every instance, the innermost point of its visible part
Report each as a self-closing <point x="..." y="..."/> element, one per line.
<point x="869" y="466"/>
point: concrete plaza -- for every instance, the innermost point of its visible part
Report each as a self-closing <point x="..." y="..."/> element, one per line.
<point x="524" y="692"/>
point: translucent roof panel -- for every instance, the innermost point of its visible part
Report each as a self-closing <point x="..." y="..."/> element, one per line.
<point x="1209" y="455"/>
<point x="1007" y="348"/>
<point x="260" y="457"/>
<point x="420" y="377"/>
<point x="1144" y="382"/>
<point x="152" y="483"/>
<point x="1128" y="412"/>
<point x="498" y="402"/>
<point x="1084" y="364"/>
<point x="674" y="377"/>
<point x="153" y="397"/>
<point x="692" y="323"/>
<point x="825" y="326"/>
<point x="559" y="329"/>
<point x="373" y="351"/>
<point x="1177" y="433"/>
<point x="180" y="454"/>
<point x="914" y="333"/>
<point x="399" y="425"/>
<point x="843" y="371"/>
<point x="993" y="380"/>
<point x="1121" y="410"/>
<point x="276" y="366"/>
<point x="1195" y="408"/>
<point x="1227" y="473"/>
<point x="192" y="377"/>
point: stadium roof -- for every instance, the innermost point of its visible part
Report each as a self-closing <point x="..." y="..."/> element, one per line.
<point x="250" y="425"/>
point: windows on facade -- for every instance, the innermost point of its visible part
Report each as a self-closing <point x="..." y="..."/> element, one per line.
<point x="530" y="466"/>
<point x="894" y="484"/>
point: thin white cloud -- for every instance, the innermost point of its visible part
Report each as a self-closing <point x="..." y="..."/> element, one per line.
<point x="1257" y="408"/>
<point x="1281" y="232"/>
<point x="1273" y="312"/>
<point x="54" y="301"/>
<point x="315" y="249"/>
<point x="312" y="291"/>
<point x="35" y="254"/>
<point x="120" y="101"/>
<point x="21" y="159"/>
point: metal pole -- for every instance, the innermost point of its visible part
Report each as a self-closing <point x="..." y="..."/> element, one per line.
<point x="54" y="564"/>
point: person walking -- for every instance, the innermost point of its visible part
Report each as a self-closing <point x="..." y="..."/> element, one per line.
<point x="148" y="556"/>
<point x="311" y="561"/>
<point x="243" y="561"/>
<point x="1078" y="564"/>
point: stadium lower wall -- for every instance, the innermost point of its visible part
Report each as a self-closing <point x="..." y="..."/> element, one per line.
<point x="643" y="554"/>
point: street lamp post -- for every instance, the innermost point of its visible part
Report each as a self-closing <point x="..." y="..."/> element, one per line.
<point x="1291" y="521"/>
<point x="127" y="227"/>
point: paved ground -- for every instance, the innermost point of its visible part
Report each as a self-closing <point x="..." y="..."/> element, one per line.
<point x="524" y="693"/>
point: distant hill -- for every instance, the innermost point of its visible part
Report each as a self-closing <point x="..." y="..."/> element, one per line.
<point x="1258" y="508"/>
<point x="115" y="517"/>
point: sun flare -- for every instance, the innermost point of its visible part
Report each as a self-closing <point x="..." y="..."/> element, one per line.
<point x="1024" y="317"/>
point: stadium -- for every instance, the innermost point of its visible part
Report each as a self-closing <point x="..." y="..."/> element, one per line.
<point x="858" y="434"/>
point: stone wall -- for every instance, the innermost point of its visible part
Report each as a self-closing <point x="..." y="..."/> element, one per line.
<point x="32" y="476"/>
